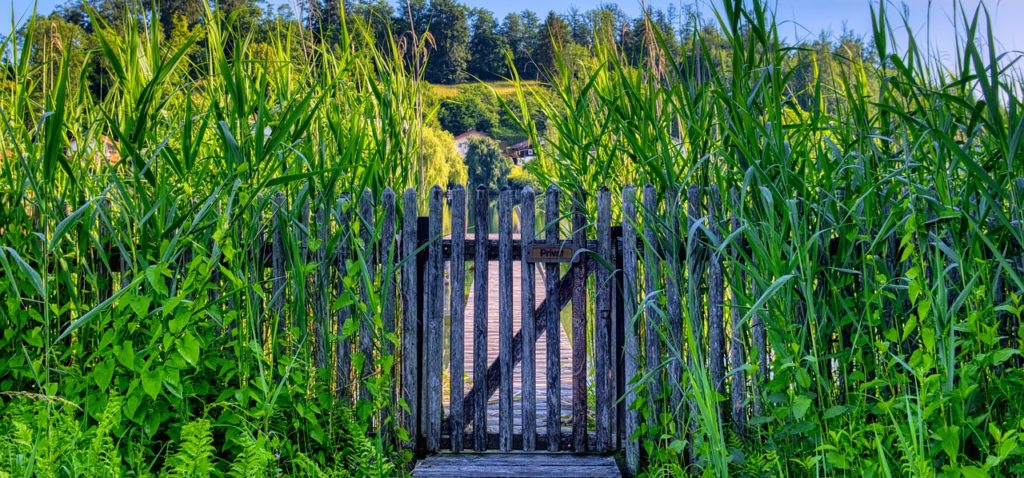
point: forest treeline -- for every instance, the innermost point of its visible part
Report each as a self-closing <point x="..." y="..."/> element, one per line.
<point x="445" y="41"/>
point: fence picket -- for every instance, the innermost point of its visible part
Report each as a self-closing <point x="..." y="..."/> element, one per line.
<point x="554" y="392"/>
<point x="434" y="322"/>
<point x="319" y="290"/>
<point x="410" y="319"/>
<point x="388" y="283"/>
<point x="529" y="331"/>
<point x="480" y="237"/>
<point x="602" y="326"/>
<point x="694" y="277"/>
<point x="277" y="268"/>
<point x="631" y="340"/>
<point x="652" y="274"/>
<point x="716" y="296"/>
<point x="736" y="355"/>
<point x="674" y="303"/>
<point x="579" y="328"/>
<point x="505" y="319"/>
<point x="366" y="229"/>
<point x="343" y="348"/>
<point x="458" y="313"/>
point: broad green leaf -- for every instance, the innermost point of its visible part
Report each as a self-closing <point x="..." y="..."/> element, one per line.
<point x="188" y="347"/>
<point x="152" y="380"/>
<point x="92" y="314"/>
<point x="103" y="373"/>
<point x="800" y="406"/>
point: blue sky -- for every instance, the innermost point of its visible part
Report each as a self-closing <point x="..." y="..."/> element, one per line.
<point x="798" y="19"/>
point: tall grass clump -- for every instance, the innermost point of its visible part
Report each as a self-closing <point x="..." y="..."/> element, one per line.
<point x="142" y="333"/>
<point x="869" y="220"/>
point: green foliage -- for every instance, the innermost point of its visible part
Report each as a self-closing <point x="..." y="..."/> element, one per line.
<point x="473" y="109"/>
<point x="450" y="33"/>
<point x="877" y="195"/>
<point x="486" y="165"/>
<point x="194" y="455"/>
<point x="487" y="48"/>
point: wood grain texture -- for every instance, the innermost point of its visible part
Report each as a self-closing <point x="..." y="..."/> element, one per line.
<point x="554" y="398"/>
<point x="321" y="283"/>
<point x="695" y="296"/>
<point x="579" y="327"/>
<point x="737" y="357"/>
<point x="716" y="295"/>
<point x="652" y="282"/>
<point x="527" y="206"/>
<point x="366" y="230"/>
<point x="387" y="261"/>
<point x="505" y="319"/>
<point x="516" y="465"/>
<point x="343" y="347"/>
<point x="674" y="303"/>
<point x="458" y="312"/>
<point x="603" y="378"/>
<point x="433" y="322"/>
<point x="480" y="319"/>
<point x="410" y="320"/>
<point x="631" y="339"/>
<point x="277" y="274"/>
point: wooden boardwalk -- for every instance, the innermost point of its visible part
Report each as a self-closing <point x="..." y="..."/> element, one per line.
<point x="492" y="353"/>
<point x="516" y="465"/>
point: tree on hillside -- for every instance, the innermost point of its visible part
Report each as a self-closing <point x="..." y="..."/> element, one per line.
<point x="374" y="15"/>
<point x="473" y="109"/>
<point x="485" y="164"/>
<point x="580" y="29"/>
<point x="554" y="36"/>
<point x="442" y="162"/>
<point x="450" y="56"/>
<point x="520" y="31"/>
<point x="487" y="48"/>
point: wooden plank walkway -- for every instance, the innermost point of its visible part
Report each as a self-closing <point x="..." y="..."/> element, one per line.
<point x="516" y="465"/>
<point x="492" y="352"/>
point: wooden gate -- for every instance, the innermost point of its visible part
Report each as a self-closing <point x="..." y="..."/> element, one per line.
<point x="528" y="310"/>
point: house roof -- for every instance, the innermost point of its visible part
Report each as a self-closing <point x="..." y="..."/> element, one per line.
<point x="471" y="134"/>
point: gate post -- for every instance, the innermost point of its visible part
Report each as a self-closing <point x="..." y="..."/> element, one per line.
<point x="422" y="236"/>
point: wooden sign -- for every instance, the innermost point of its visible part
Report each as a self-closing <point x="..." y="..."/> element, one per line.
<point x="550" y="253"/>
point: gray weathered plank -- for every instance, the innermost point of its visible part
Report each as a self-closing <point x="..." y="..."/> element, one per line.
<point x="277" y="280"/>
<point x="387" y="267"/>
<point x="516" y="465"/>
<point x="458" y="314"/>
<point x="736" y="355"/>
<point x="410" y="319"/>
<point x="652" y="283"/>
<point x="716" y="295"/>
<point x="694" y="276"/>
<point x="505" y="319"/>
<point x="343" y="347"/>
<point x="389" y="278"/>
<point x="674" y="305"/>
<point x="579" y="328"/>
<point x="631" y="340"/>
<point x="529" y="332"/>
<point x="366" y="232"/>
<point x="516" y="459"/>
<point x="554" y="427"/>
<point x="480" y="234"/>
<point x="319" y="290"/>
<point x="602" y="326"/>
<point x="433" y="286"/>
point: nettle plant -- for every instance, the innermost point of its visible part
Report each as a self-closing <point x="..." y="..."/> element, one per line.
<point x="139" y="329"/>
<point x="871" y="230"/>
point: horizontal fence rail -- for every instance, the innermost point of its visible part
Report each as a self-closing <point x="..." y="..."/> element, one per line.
<point x="638" y="289"/>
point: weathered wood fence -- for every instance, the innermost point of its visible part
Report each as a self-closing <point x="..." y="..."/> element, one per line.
<point x="627" y="342"/>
